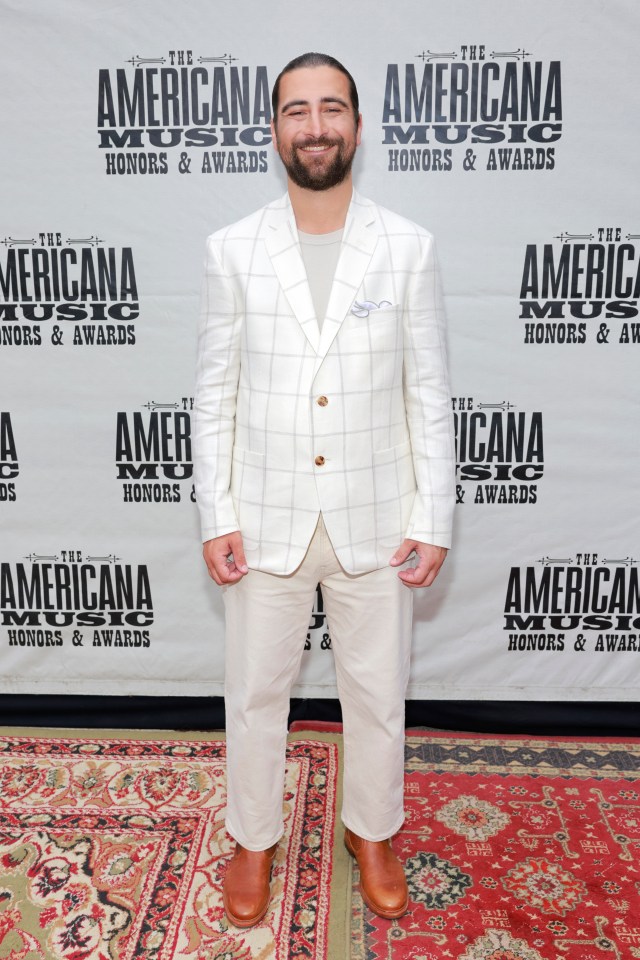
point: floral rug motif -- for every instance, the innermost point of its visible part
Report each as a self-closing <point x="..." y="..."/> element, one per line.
<point x="115" y="849"/>
<point x="514" y="849"/>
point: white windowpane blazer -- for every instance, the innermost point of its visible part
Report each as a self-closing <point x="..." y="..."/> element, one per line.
<point x="354" y="421"/>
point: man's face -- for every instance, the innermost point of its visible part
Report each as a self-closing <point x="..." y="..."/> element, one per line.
<point x="315" y="131"/>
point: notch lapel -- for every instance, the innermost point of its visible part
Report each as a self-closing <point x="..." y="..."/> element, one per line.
<point x="283" y="247"/>
<point x="358" y="243"/>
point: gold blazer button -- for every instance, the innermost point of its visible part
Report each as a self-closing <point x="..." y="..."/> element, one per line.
<point x="319" y="461"/>
<point x="322" y="401"/>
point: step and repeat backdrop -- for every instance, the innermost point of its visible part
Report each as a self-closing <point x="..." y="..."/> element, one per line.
<point x="130" y="132"/>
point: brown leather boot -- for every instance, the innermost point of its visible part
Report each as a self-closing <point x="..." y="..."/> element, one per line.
<point x="245" y="892"/>
<point x="382" y="880"/>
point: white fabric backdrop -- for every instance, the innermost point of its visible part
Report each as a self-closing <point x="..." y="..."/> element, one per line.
<point x="506" y="128"/>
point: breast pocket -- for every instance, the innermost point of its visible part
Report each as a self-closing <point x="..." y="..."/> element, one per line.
<point x="381" y="330"/>
<point x="379" y="315"/>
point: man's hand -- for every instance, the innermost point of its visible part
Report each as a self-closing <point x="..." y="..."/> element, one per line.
<point x="224" y="557"/>
<point x="430" y="559"/>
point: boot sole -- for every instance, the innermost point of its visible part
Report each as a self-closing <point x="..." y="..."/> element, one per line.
<point x="244" y="924"/>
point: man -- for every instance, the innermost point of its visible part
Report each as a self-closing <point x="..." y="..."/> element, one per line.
<point x="324" y="453"/>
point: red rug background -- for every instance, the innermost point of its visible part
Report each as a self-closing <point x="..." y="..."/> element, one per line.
<point x="514" y="849"/>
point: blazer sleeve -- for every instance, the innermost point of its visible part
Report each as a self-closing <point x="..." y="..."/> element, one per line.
<point x="428" y="405"/>
<point x="217" y="374"/>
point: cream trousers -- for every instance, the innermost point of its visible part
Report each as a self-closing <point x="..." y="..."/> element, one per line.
<point x="267" y="619"/>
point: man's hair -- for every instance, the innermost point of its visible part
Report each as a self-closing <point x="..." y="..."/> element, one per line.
<point x="315" y="60"/>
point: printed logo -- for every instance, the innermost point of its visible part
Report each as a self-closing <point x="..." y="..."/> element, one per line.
<point x="153" y="453"/>
<point x="582" y="286"/>
<point x="62" y="600"/>
<point x="472" y="108"/>
<point x="9" y="468"/>
<point x="549" y="604"/>
<point x="73" y="291"/>
<point x="499" y="452"/>
<point x="165" y="113"/>
<point x="318" y="629"/>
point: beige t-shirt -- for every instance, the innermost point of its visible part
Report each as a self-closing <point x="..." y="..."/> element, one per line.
<point x="320" y="252"/>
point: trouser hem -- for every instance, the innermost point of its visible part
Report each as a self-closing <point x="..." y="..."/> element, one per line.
<point x="258" y="847"/>
<point x="374" y="839"/>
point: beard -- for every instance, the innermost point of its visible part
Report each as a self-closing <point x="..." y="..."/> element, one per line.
<point x="317" y="173"/>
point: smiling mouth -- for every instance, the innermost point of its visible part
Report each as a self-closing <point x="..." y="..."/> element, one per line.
<point x="315" y="147"/>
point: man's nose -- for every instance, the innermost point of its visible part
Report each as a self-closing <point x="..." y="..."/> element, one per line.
<point x="316" y="123"/>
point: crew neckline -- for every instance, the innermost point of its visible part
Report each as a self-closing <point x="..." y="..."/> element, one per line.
<point x="320" y="238"/>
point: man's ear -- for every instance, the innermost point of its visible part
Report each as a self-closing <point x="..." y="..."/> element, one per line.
<point x="274" y="138"/>
<point x="359" y="130"/>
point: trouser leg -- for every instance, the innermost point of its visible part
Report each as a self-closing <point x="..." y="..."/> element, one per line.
<point x="267" y="618"/>
<point x="369" y="619"/>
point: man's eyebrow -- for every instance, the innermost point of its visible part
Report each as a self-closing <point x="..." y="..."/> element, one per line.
<point x="339" y="100"/>
<point x="305" y="103"/>
<point x="294" y="103"/>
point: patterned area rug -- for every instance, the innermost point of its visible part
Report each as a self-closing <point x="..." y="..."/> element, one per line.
<point x="114" y="848"/>
<point x="514" y="850"/>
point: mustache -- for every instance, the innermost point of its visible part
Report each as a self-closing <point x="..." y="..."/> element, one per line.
<point x="318" y="142"/>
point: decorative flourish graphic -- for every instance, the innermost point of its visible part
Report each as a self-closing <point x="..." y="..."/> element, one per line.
<point x="225" y="58"/>
<point x="518" y="54"/>
<point x="137" y="61"/>
<point x="152" y="405"/>
<point x="10" y="242"/>
<point x="570" y="237"/>
<point x="85" y="241"/>
<point x="504" y="405"/>
<point x="428" y="55"/>
<point x="547" y="561"/>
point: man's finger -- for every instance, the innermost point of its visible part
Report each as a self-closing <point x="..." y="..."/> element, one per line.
<point x="403" y="552"/>
<point x="416" y="576"/>
<point x="430" y="559"/>
<point x="225" y="559"/>
<point x="237" y="549"/>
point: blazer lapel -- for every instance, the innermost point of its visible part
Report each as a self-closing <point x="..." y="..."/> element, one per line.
<point x="358" y="243"/>
<point x="281" y="241"/>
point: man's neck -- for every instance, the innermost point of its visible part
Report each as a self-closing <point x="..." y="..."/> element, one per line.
<point x="321" y="211"/>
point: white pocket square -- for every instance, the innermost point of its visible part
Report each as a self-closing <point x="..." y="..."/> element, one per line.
<point x="362" y="308"/>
